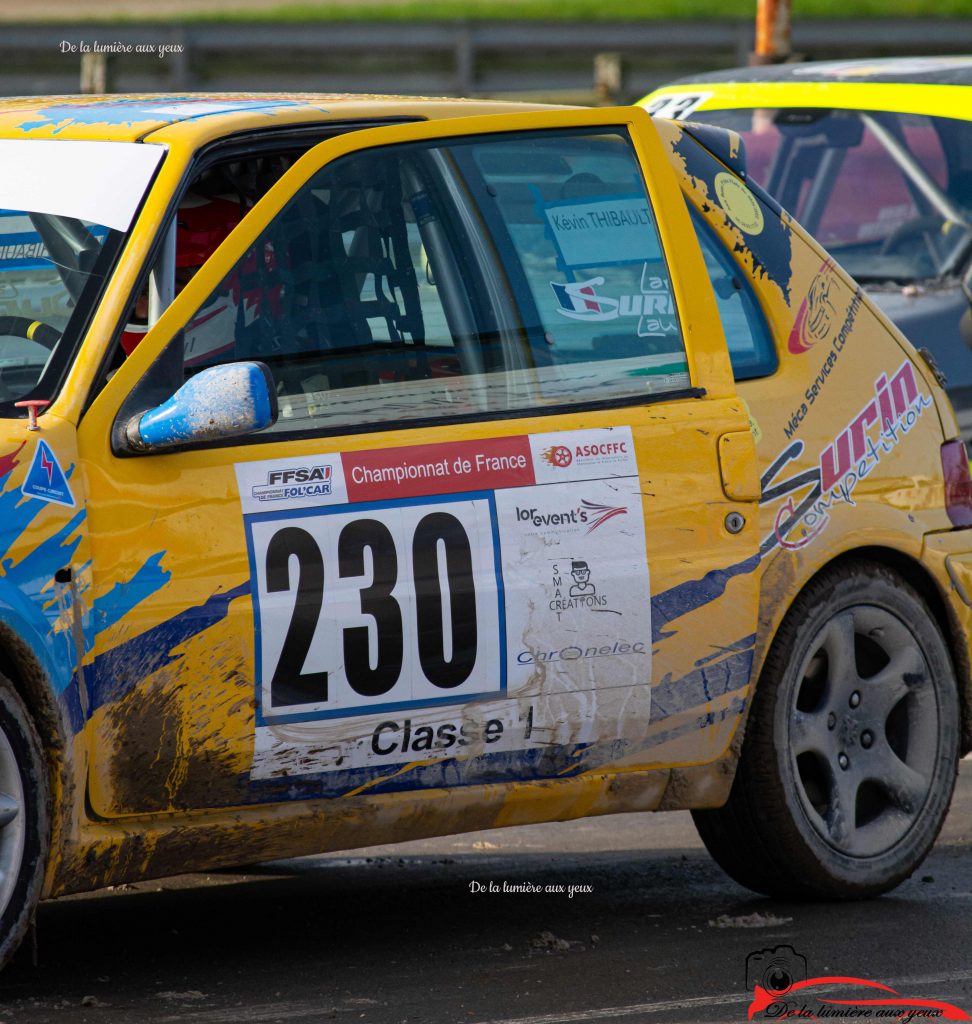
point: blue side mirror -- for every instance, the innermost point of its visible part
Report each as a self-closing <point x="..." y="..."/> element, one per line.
<point x="218" y="402"/>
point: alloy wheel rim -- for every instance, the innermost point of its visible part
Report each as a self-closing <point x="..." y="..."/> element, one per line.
<point x="863" y="731"/>
<point x="13" y="825"/>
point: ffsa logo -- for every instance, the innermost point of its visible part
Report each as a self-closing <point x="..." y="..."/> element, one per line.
<point x="295" y="482"/>
<point x="300" y="475"/>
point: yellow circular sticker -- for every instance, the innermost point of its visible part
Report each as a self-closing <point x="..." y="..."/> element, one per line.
<point x="740" y="204"/>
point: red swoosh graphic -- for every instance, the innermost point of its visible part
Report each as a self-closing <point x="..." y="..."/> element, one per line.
<point x="762" y="999"/>
<point x="7" y="462"/>
<point x="795" y="341"/>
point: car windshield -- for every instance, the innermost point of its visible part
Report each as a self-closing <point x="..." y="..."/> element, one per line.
<point x="889" y="194"/>
<point x="65" y="209"/>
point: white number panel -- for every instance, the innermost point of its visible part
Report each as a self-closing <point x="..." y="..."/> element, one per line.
<point x="377" y="607"/>
<point x="677" y="105"/>
<point x="460" y="600"/>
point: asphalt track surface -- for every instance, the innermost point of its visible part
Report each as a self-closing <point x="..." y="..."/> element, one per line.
<point x="394" y="935"/>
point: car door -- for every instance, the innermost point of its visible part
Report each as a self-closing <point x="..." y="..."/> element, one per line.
<point x="504" y="525"/>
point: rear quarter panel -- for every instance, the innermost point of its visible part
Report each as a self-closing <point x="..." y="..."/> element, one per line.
<point x="849" y="426"/>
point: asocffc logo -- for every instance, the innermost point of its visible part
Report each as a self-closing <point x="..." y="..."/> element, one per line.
<point x="603" y="448"/>
<point x="557" y="455"/>
<point x="562" y="456"/>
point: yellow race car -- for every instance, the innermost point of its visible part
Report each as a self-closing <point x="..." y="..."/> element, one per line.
<point x="382" y="468"/>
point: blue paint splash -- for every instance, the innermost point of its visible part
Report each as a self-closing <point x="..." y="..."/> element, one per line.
<point x="169" y="109"/>
<point x="123" y="597"/>
<point x="673" y="697"/>
<point x="116" y="672"/>
<point x="26" y="591"/>
<point x="16" y="515"/>
<point x="502" y="766"/>
<point x="738" y="645"/>
<point x="686" y="597"/>
<point x="70" y="701"/>
<point x="736" y="707"/>
<point x="24" y="581"/>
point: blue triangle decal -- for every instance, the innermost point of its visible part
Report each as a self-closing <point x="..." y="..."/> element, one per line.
<point x="45" y="478"/>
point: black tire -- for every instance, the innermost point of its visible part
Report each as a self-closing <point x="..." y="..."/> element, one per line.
<point x="25" y="817"/>
<point x="857" y="706"/>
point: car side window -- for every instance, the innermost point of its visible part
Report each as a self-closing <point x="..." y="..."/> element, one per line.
<point x="751" y="349"/>
<point x="492" y="275"/>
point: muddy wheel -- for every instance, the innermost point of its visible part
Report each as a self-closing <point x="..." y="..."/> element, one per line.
<point x="851" y="749"/>
<point x="24" y="820"/>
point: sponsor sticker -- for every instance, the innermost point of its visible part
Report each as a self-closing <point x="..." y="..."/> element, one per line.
<point x="574" y="455"/>
<point x="855" y="452"/>
<point x="295" y="482"/>
<point x="602" y="231"/>
<point x="741" y="206"/>
<point x="45" y="479"/>
<point x="816" y="318"/>
<point x="447" y="600"/>
<point x="291" y="483"/>
<point x="652" y="305"/>
<point x="817" y="321"/>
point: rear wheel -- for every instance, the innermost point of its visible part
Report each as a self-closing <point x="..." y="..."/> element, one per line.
<point x="24" y="820"/>
<point x="851" y="749"/>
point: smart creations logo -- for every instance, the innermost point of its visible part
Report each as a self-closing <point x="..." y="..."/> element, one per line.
<point x="782" y="990"/>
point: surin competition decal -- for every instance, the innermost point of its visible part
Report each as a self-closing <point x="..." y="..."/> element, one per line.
<point x="855" y="452"/>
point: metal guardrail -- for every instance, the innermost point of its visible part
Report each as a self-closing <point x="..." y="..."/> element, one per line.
<point x="459" y="57"/>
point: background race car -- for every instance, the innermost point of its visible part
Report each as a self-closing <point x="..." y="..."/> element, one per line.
<point x="874" y="158"/>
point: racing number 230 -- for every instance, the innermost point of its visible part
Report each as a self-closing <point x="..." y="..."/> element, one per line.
<point x="395" y="591"/>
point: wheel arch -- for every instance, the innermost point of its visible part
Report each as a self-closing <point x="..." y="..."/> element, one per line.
<point x="919" y="577"/>
<point x="20" y="664"/>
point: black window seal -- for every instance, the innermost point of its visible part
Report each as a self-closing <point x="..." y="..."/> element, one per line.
<point x="311" y="433"/>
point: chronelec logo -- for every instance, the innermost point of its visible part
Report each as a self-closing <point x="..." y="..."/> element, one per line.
<point x="297" y="482"/>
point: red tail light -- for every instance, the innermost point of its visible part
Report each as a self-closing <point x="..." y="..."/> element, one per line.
<point x="958" y="483"/>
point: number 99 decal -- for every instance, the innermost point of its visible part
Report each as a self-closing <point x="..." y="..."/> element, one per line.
<point x="368" y="607"/>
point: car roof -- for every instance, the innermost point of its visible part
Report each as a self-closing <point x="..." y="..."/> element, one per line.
<point x="129" y="118"/>
<point x="930" y="86"/>
<point x="906" y="70"/>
